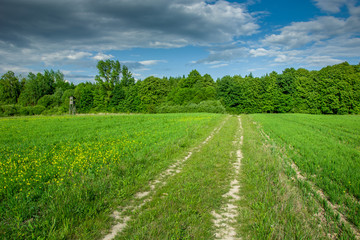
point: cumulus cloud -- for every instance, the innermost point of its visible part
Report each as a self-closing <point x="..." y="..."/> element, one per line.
<point x="321" y="60"/>
<point x="63" y="56"/>
<point x="299" y="34"/>
<point x="332" y="6"/>
<point x="122" y="24"/>
<point x="69" y="31"/>
<point x="261" y="52"/>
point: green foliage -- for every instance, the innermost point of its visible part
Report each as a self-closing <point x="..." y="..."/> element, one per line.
<point x="8" y="110"/>
<point x="36" y="86"/>
<point x="152" y="92"/>
<point x="127" y="80"/>
<point x="84" y="94"/>
<point x="109" y="74"/>
<point x="46" y="101"/>
<point x="210" y="106"/>
<point x="10" y="88"/>
<point x="332" y="90"/>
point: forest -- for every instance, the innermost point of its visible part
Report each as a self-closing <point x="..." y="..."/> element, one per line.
<point x="331" y="90"/>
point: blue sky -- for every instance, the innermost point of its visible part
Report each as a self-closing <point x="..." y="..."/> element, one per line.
<point x="170" y="38"/>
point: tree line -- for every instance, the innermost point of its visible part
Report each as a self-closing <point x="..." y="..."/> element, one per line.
<point x="331" y="90"/>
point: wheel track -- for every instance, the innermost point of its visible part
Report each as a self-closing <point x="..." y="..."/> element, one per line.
<point x="300" y="177"/>
<point x="141" y="198"/>
<point x="224" y="220"/>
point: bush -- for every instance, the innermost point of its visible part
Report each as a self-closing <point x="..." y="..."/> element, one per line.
<point x="52" y="111"/>
<point x="23" y="110"/>
<point x="36" y="110"/>
<point x="8" y="110"/>
<point x="211" y="107"/>
<point x="46" y="100"/>
<point x="205" y="106"/>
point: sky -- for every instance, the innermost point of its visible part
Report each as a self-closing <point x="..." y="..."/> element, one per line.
<point x="166" y="38"/>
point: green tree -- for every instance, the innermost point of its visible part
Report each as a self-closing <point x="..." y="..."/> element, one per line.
<point x="153" y="92"/>
<point x="35" y="87"/>
<point x="84" y="94"/>
<point x="109" y="74"/>
<point x="127" y="79"/>
<point x="10" y="88"/>
<point x="118" y="98"/>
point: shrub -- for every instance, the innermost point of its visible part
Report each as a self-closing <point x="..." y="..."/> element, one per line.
<point x="8" y="110"/>
<point x="36" y="110"/>
<point x="210" y="106"/>
<point x="46" y="100"/>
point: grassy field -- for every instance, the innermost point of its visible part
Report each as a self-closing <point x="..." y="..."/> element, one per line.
<point x="326" y="150"/>
<point x="61" y="176"/>
<point x="64" y="177"/>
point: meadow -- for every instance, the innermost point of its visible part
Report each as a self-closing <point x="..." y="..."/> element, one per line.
<point x="326" y="150"/>
<point x="61" y="176"/>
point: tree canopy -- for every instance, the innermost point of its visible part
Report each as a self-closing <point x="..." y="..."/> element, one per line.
<point x="331" y="90"/>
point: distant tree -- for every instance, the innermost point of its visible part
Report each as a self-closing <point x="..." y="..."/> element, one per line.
<point x="118" y="98"/>
<point x="127" y="79"/>
<point x="153" y="92"/>
<point x="10" y="88"/>
<point x="133" y="101"/>
<point x="228" y="91"/>
<point x="84" y="94"/>
<point x="189" y="82"/>
<point x="57" y="96"/>
<point x="35" y="87"/>
<point x="109" y="74"/>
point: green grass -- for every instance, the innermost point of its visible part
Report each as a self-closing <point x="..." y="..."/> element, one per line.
<point x="61" y="177"/>
<point x="272" y="207"/>
<point x="182" y="208"/>
<point x="326" y="150"/>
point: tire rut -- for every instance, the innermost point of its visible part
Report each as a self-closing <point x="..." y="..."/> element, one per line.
<point x="141" y="198"/>
<point x="226" y="218"/>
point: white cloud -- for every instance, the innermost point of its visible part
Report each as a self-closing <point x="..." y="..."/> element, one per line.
<point x="151" y="62"/>
<point x="78" y="55"/>
<point x="321" y="60"/>
<point x="173" y="44"/>
<point x="332" y="6"/>
<point x="61" y="56"/>
<point x="102" y="56"/>
<point x="16" y="69"/>
<point x="219" y="65"/>
<point x="299" y="34"/>
<point x="261" y="52"/>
